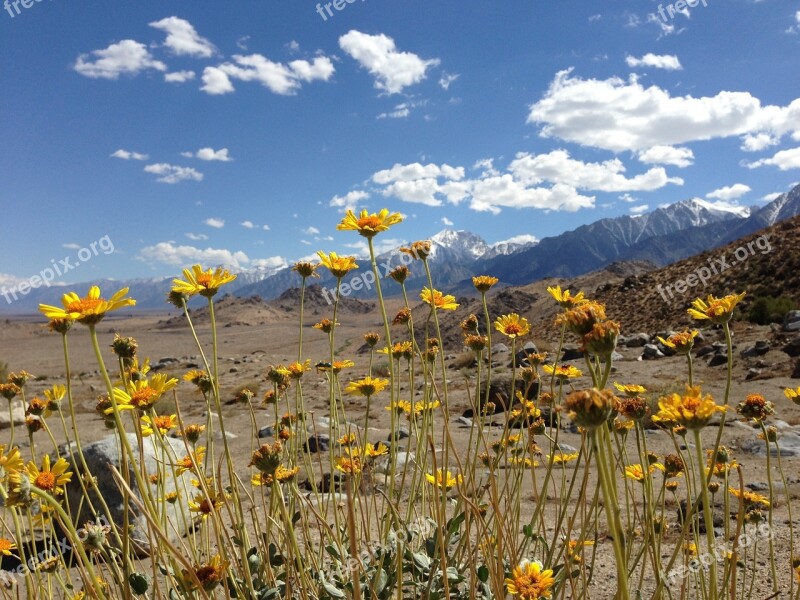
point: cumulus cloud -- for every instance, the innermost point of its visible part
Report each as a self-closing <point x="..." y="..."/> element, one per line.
<point x="667" y="155"/>
<point x="128" y="155"/>
<point x="393" y="70"/>
<point x="179" y="76"/>
<point x="183" y="39"/>
<point x="730" y="192"/>
<point x="172" y="173"/>
<point x="621" y="115"/>
<point x="349" y="201"/>
<point x="638" y="210"/>
<point x="784" y="160"/>
<point x="668" y="62"/>
<point x="211" y="154"/>
<point x="279" y="78"/>
<point x="182" y="256"/>
<point x="127" y="57"/>
<point x="197" y="237"/>
<point x="608" y="176"/>
<point x="215" y="223"/>
<point x="524" y="238"/>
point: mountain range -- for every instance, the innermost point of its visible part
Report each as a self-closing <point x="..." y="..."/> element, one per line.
<point x="660" y="237"/>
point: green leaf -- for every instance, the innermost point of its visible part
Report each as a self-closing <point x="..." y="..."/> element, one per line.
<point x="332" y="590"/>
<point x="483" y="573"/>
<point x="139" y="583"/>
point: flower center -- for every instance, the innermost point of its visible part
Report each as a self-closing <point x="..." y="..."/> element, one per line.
<point x="45" y="481"/>
<point x="204" y="279"/>
<point x="513" y="329"/>
<point x="370" y="222"/>
<point x="142" y="398"/>
<point x="85" y="306"/>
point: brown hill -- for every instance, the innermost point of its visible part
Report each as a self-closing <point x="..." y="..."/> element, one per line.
<point x="229" y="311"/>
<point x="319" y="301"/>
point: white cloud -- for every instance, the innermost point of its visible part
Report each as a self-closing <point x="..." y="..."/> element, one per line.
<point x="446" y="79"/>
<point x="784" y="160"/>
<point x="181" y="256"/>
<point x="7" y="280"/>
<point x="668" y="62"/>
<point x="494" y="193"/>
<point x="415" y="171"/>
<point x="277" y="77"/>
<point x="183" y="39"/>
<point x="197" y="237"/>
<point x="667" y="155"/>
<point x="265" y="227"/>
<point x="401" y="111"/>
<point x="620" y="115"/>
<point x="638" y="210"/>
<point x="71" y="246"/>
<point x="349" y="201"/>
<point x="628" y="198"/>
<point x="393" y="70"/>
<point x="211" y="154"/>
<point x="179" y="76"/>
<point x="214" y="222"/>
<point x="486" y="166"/>
<point x="524" y="238"/>
<point x="759" y="141"/>
<point x="382" y="245"/>
<point x="770" y="197"/>
<point x="173" y="173"/>
<point x="127" y="57"/>
<point x="248" y="224"/>
<point x="310" y="231"/>
<point x="128" y="155"/>
<point x="273" y="262"/>
<point x="447" y="222"/>
<point x="608" y="176"/>
<point x="730" y="192"/>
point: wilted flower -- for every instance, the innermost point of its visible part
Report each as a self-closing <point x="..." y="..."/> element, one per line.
<point x="306" y="269"/>
<point x="201" y="379"/>
<point x="193" y="432"/>
<point x="476" y="343"/>
<point x="10" y="390"/>
<point x="470" y="324"/>
<point x="267" y="458"/>
<point x="580" y="320"/>
<point x="418" y="250"/>
<point x="602" y="339"/>
<point x="325" y="325"/>
<point x="402" y="317"/>
<point x="210" y="575"/>
<point x="124" y="347"/>
<point x="755" y="407"/>
<point x="400" y="274"/>
<point x="673" y="465"/>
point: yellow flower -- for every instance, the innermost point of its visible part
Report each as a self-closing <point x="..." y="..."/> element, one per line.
<point x="143" y="394"/>
<point x="692" y="410"/>
<point x="6" y="546"/>
<point x="512" y="325"/>
<point x="205" y="507"/>
<point x="793" y="395"/>
<point x="750" y="498"/>
<point x="162" y="422"/>
<point x="187" y="462"/>
<point x="371" y="451"/>
<point x="350" y="466"/>
<point x="563" y="372"/>
<point x="369" y="225"/>
<point x="591" y="408"/>
<point x="11" y="462"/>
<point x="572" y="553"/>
<point x="565" y="298"/>
<point x="368" y="386"/>
<point x="435" y="298"/>
<point x="483" y="283"/>
<point x="681" y="342"/>
<point x="635" y="472"/>
<point x="54" y="396"/>
<point x="209" y="575"/>
<point x="581" y="319"/>
<point x="339" y="266"/>
<point x="717" y="310"/>
<point x="399" y="350"/>
<point x="49" y="479"/>
<point x="205" y="283"/>
<point x="630" y="390"/>
<point x="306" y="269"/>
<point x="88" y="310"/>
<point x="529" y="581"/>
<point x="443" y="479"/>
<point x="296" y="369"/>
<point x="561" y="458"/>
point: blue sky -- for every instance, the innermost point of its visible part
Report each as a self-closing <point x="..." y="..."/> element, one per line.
<point x="238" y="132"/>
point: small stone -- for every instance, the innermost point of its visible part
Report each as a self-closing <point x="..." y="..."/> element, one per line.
<point x="651" y="352"/>
<point x="318" y="443"/>
<point x="266" y="432"/>
<point x="637" y="340"/>
<point x="400" y="434"/>
<point x="718" y="360"/>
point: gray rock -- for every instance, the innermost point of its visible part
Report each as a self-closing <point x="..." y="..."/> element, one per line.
<point x="703" y="351"/>
<point x="651" y="352"/>
<point x="400" y="434"/>
<point x="638" y="340"/>
<point x="103" y="454"/>
<point x="791" y="322"/>
<point x="718" y="360"/>
<point x="760" y="348"/>
<point x="266" y="432"/>
<point x="571" y="352"/>
<point x="788" y="443"/>
<point x="500" y="348"/>
<point x="796" y="372"/>
<point x="752" y="374"/>
<point x="17" y="413"/>
<point x="793" y="347"/>
<point x="317" y="443"/>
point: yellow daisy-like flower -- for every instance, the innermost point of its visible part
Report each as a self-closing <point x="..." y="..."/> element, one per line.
<point x="435" y="298"/>
<point x="630" y="390"/>
<point x="565" y="298"/>
<point x="339" y="266"/>
<point x="185" y="463"/>
<point x="399" y="350"/>
<point x="529" y="581"/>
<point x="563" y="372"/>
<point x="50" y="479"/>
<point x="161" y="422"/>
<point x="371" y="451"/>
<point x="750" y="498"/>
<point x="692" y="410"/>
<point x="209" y="575"/>
<point x="88" y="310"/>
<point x="681" y="342"/>
<point x="205" y="283"/>
<point x="349" y="466"/>
<point x="368" y="386"/>
<point x="205" y="507"/>
<point x="573" y="554"/>
<point x="11" y="462"/>
<point x="793" y="395"/>
<point x="717" y="310"/>
<point x="296" y="368"/>
<point x="512" y="325"/>
<point x="561" y="458"/>
<point x="6" y="546"/>
<point x="635" y="472"/>
<point x="483" y="283"/>
<point x="581" y="318"/>
<point x="369" y="225"/>
<point x="444" y="479"/>
<point x="143" y="394"/>
<point x="54" y="396"/>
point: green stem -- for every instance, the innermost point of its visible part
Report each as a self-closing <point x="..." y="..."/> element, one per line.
<point x="707" y="515"/>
